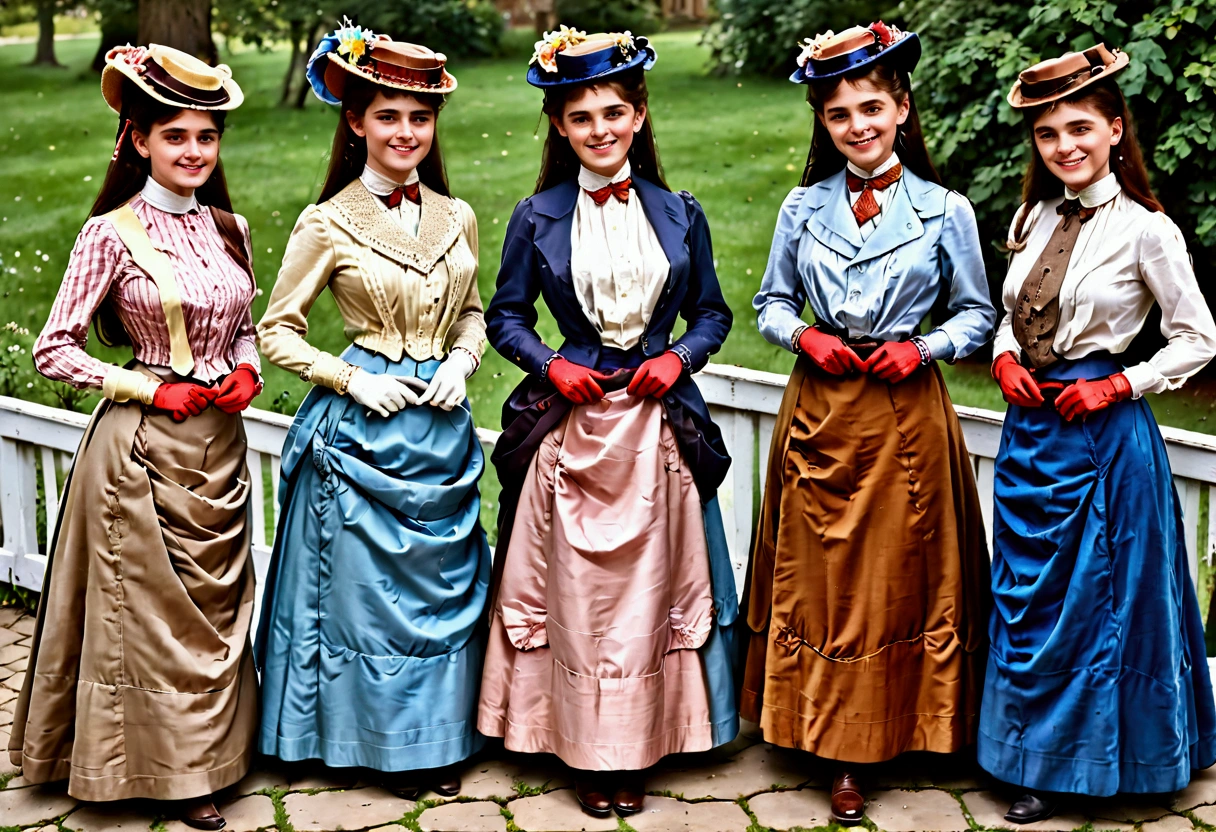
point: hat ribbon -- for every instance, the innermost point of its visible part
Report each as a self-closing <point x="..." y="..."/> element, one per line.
<point x="1040" y="89"/>
<point x="183" y="92"/>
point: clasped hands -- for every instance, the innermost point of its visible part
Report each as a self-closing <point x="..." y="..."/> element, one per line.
<point x="894" y="361"/>
<point x="581" y="385"/>
<point x="1076" y="400"/>
<point x="386" y="394"/>
<point x="183" y="399"/>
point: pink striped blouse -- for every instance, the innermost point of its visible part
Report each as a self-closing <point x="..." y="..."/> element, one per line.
<point x="216" y="297"/>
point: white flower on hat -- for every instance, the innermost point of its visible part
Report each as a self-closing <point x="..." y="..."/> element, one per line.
<point x="554" y="42"/>
<point x="812" y="46"/>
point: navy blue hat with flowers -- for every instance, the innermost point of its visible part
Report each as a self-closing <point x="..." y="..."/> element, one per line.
<point x="830" y="55"/>
<point x="568" y="56"/>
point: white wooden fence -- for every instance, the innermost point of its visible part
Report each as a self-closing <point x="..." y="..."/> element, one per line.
<point x="37" y="444"/>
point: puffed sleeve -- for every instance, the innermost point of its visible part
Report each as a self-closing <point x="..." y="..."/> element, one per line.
<point x="962" y="267"/>
<point x="1186" y="320"/>
<point x="245" y="346"/>
<point x="59" y="352"/>
<point x="511" y="317"/>
<point x="781" y="298"/>
<point x="469" y="329"/>
<point x="308" y="263"/>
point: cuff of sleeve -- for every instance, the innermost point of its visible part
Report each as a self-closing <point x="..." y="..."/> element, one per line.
<point x="473" y="346"/>
<point x="1005" y="342"/>
<point x="474" y="361"/>
<point x="123" y="385"/>
<point x="684" y="354"/>
<point x="793" y="344"/>
<point x="544" y="370"/>
<point x="329" y="371"/>
<point x="941" y="346"/>
<point x="1144" y="378"/>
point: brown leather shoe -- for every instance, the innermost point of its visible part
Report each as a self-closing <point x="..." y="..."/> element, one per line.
<point x="630" y="794"/>
<point x="848" y="803"/>
<point x="201" y="813"/>
<point x="592" y="796"/>
<point x="448" y="785"/>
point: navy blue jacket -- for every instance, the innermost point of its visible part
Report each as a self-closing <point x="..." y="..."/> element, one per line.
<point x="536" y="263"/>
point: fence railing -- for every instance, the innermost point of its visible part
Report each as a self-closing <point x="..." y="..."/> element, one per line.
<point x="37" y="444"/>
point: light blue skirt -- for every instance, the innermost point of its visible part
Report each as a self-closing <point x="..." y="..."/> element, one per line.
<point x="371" y="638"/>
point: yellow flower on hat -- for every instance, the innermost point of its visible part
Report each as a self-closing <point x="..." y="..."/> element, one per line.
<point x="354" y="42"/>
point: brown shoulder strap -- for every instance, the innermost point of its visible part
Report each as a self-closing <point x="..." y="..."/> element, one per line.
<point x="234" y="240"/>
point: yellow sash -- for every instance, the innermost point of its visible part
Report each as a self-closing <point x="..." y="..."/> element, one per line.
<point x="135" y="237"/>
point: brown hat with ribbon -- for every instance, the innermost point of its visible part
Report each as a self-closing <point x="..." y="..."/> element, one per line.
<point x="389" y="63"/>
<point x="170" y="76"/>
<point x="1060" y="77"/>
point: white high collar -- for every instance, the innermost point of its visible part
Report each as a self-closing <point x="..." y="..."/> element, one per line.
<point x="593" y="181"/>
<point x="161" y="198"/>
<point x="381" y="185"/>
<point x="1096" y="193"/>
<point x="891" y="162"/>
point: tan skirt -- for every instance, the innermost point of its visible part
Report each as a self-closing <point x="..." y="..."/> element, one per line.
<point x="868" y="593"/>
<point x="605" y="598"/>
<point x="141" y="681"/>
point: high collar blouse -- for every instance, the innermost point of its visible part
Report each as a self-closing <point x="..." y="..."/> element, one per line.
<point x="1126" y="256"/>
<point x="216" y="294"/>
<point x="406" y="214"/>
<point x="617" y="265"/>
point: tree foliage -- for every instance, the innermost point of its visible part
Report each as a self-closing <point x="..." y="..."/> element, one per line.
<point x="641" y="17"/>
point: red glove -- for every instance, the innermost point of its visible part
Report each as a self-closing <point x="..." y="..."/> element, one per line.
<point x="1017" y="384"/>
<point x="181" y="399"/>
<point x="894" y="361"/>
<point x="830" y="354"/>
<point x="1082" y="397"/>
<point x="656" y="376"/>
<point x="577" y="383"/>
<point x="238" y="389"/>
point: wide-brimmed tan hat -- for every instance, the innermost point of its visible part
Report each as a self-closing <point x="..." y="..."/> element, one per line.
<point x="171" y="76"/>
<point x="389" y="63"/>
<point x="1059" y="77"/>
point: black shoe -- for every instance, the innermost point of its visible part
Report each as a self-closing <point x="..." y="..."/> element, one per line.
<point x="592" y="795"/>
<point x="1030" y="808"/>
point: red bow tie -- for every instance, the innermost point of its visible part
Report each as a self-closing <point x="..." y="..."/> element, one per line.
<point x="410" y="192"/>
<point x="620" y="190"/>
<point x="866" y="207"/>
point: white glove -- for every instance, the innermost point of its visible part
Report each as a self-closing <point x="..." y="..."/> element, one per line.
<point x="382" y="393"/>
<point x="447" y="388"/>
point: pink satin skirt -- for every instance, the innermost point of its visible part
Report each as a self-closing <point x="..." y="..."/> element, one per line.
<point x="604" y="599"/>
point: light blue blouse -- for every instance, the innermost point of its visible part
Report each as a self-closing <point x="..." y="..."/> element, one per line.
<point x="882" y="287"/>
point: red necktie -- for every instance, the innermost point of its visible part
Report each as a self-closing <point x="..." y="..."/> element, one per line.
<point x="866" y="207"/>
<point x="410" y="192"/>
<point x="620" y="190"/>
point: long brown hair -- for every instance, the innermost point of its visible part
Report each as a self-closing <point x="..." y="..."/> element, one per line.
<point x="1127" y="162"/>
<point x="349" y="152"/>
<point x="559" y="162"/>
<point x="825" y="159"/>
<point x="129" y="171"/>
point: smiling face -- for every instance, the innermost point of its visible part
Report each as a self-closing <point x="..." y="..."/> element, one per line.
<point x="399" y="130"/>
<point x="600" y="126"/>
<point x="863" y="121"/>
<point x="1075" y="142"/>
<point x="182" y="150"/>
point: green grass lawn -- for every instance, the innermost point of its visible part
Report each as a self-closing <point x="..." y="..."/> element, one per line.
<point x="739" y="145"/>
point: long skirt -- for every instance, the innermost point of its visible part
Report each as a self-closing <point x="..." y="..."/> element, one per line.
<point x="606" y="644"/>
<point x="868" y="593"/>
<point x="141" y="680"/>
<point x="1097" y="682"/>
<point x="371" y="637"/>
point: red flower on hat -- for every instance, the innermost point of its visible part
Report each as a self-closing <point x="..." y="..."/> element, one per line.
<point x="884" y="34"/>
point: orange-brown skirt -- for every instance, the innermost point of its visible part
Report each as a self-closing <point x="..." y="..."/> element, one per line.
<point x="868" y="591"/>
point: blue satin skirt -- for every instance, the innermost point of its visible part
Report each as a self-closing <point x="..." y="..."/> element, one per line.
<point x="1097" y="679"/>
<point x="371" y="638"/>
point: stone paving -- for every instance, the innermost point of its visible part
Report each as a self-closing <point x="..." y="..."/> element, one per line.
<point x="747" y="786"/>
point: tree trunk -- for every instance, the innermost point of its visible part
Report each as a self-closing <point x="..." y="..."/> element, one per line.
<point x="45" y="56"/>
<point x="305" y="88"/>
<point x="181" y="24"/>
<point x="119" y="26"/>
<point x="297" y="32"/>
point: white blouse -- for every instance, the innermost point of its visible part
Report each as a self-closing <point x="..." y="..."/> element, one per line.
<point x="406" y="214"/>
<point x="881" y="197"/>
<point x="617" y="265"/>
<point x="1125" y="258"/>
